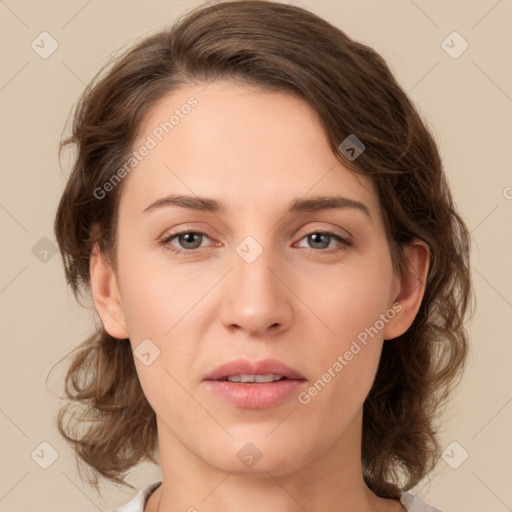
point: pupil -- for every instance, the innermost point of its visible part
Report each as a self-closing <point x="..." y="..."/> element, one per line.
<point x="314" y="236"/>
<point x="189" y="238"/>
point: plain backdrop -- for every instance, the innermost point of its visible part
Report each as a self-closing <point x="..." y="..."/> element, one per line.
<point x="467" y="100"/>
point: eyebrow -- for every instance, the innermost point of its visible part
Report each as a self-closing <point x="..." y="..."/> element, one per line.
<point x="205" y="204"/>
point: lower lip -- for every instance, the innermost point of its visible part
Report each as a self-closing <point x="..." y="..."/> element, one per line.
<point x="255" y="395"/>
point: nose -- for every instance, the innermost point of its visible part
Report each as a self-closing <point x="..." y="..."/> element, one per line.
<point x="257" y="298"/>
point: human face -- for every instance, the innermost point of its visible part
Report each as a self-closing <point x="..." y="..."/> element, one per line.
<point x="280" y="294"/>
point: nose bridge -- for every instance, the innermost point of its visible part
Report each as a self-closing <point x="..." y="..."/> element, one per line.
<point x="257" y="298"/>
<point x="253" y="264"/>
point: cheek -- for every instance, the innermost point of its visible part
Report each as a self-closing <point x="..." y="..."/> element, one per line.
<point x="350" y="305"/>
<point x="161" y="304"/>
<point x="155" y="294"/>
<point x="349" y="299"/>
<point x="147" y="310"/>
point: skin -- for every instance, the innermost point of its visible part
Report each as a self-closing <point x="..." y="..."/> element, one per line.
<point x="253" y="151"/>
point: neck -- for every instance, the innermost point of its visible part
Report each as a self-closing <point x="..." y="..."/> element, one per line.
<point x="331" y="480"/>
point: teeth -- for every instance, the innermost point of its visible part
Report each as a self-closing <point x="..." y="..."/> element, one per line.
<point x="254" y="378"/>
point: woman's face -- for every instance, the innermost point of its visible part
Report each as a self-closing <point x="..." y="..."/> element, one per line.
<point x="261" y="282"/>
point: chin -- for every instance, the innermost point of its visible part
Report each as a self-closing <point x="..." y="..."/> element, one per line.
<point x="257" y="456"/>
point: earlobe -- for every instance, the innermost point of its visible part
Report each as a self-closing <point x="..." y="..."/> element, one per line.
<point x="106" y="295"/>
<point x="412" y="288"/>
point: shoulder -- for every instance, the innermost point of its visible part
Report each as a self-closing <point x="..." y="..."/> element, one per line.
<point x="414" y="504"/>
<point x="137" y="503"/>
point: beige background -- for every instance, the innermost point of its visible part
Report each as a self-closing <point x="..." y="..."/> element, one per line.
<point x="468" y="102"/>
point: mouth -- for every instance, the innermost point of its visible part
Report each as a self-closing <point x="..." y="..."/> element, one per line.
<point x="254" y="379"/>
<point x="244" y="370"/>
<point x="255" y="385"/>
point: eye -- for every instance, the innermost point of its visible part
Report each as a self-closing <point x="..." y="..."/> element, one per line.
<point x="191" y="242"/>
<point x="187" y="239"/>
<point x="321" y="240"/>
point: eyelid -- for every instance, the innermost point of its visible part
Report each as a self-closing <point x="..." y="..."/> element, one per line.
<point x="329" y="230"/>
<point x="184" y="228"/>
<point x="166" y="238"/>
<point x="343" y="241"/>
<point x="316" y="229"/>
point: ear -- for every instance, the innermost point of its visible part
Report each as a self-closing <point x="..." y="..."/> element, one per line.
<point x="107" y="299"/>
<point x="412" y="288"/>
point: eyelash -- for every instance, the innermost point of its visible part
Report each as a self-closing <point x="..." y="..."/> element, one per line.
<point x="343" y="241"/>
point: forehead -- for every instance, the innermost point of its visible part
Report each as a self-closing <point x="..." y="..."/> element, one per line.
<point x="246" y="146"/>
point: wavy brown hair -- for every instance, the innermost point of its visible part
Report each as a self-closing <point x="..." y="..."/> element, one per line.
<point x="275" y="47"/>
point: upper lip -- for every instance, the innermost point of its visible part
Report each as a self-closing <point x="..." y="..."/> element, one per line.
<point x="247" y="367"/>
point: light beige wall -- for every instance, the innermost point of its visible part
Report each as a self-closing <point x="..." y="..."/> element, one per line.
<point x="468" y="102"/>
